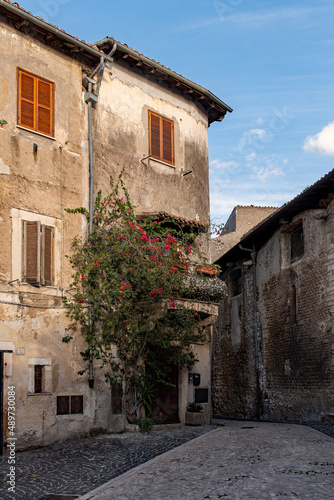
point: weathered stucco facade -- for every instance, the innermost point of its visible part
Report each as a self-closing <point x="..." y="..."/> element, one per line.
<point x="43" y="174"/>
<point x="273" y="346"/>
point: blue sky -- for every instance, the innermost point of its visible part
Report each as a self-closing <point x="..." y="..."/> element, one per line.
<point x="271" y="61"/>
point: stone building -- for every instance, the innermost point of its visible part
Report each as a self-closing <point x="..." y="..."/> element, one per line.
<point x="72" y="115"/>
<point x="241" y="220"/>
<point x="273" y="342"/>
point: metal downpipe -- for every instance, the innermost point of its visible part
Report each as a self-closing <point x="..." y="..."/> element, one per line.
<point x="99" y="68"/>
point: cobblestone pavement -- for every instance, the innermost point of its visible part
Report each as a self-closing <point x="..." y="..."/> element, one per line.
<point x="240" y="461"/>
<point x="77" y="466"/>
<point x="241" y="458"/>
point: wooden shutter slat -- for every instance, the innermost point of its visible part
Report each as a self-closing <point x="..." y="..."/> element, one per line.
<point x="154" y="136"/>
<point x="76" y="404"/>
<point x="32" y="252"/>
<point x="26" y="100"/>
<point x="44" y="121"/>
<point x="27" y="87"/>
<point x="47" y="256"/>
<point x="27" y="114"/>
<point x="167" y="141"/>
<point x="44" y="114"/>
<point x="44" y="94"/>
<point x="63" y="405"/>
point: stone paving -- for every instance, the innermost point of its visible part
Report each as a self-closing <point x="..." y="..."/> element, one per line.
<point x="77" y="466"/>
<point x="250" y="461"/>
<point x="234" y="460"/>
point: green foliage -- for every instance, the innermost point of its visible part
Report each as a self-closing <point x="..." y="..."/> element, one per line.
<point x="144" y="424"/>
<point x="194" y="407"/>
<point x="127" y="277"/>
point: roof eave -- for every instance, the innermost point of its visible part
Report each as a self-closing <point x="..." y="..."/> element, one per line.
<point x="219" y="108"/>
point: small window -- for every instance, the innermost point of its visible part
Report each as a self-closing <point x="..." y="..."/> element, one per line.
<point x="161" y="138"/>
<point x="235" y="282"/>
<point x="201" y="395"/>
<point x="297" y="242"/>
<point x="70" y="405"/>
<point x="35" y="103"/>
<point x="38" y="378"/>
<point x="38" y="243"/>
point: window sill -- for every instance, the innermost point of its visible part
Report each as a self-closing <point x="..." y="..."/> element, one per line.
<point x="39" y="394"/>
<point x="35" y="132"/>
<point x="162" y="162"/>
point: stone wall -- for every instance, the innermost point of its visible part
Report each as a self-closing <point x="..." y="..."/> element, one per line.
<point x="295" y="362"/>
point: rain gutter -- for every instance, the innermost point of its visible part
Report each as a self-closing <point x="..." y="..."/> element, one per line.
<point x="52" y="29"/>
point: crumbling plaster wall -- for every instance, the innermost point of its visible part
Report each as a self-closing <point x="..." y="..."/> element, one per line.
<point x="40" y="186"/>
<point x="121" y="135"/>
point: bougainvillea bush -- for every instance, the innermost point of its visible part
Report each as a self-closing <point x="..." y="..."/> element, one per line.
<point x="127" y="277"/>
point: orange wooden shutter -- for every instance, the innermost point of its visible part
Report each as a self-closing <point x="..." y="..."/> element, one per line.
<point x="26" y="100"/>
<point x="155" y="136"/>
<point x="47" y="256"/>
<point x="167" y="140"/>
<point x="44" y="107"/>
<point x="35" y="103"/>
<point x="32" y="252"/>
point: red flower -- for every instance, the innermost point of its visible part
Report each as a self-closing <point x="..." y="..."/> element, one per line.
<point x="144" y="356"/>
<point x="193" y="360"/>
<point x="80" y="299"/>
<point x="83" y="277"/>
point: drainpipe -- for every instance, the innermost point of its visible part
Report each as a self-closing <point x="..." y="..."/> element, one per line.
<point x="92" y="98"/>
<point x="253" y="255"/>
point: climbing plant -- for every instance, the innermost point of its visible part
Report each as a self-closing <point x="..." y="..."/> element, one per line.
<point x="128" y="278"/>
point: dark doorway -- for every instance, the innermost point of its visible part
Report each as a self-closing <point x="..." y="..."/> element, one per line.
<point x="165" y="405"/>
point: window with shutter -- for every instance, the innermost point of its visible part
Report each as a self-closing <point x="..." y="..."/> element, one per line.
<point x="38" y="244"/>
<point x="161" y="138"/>
<point x="35" y="103"/>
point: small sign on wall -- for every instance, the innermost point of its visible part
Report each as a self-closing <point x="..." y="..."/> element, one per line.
<point x="20" y="351"/>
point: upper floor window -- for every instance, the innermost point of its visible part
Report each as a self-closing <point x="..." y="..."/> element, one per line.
<point x="37" y="253"/>
<point x="161" y="138"/>
<point x="297" y="242"/>
<point x="35" y="103"/>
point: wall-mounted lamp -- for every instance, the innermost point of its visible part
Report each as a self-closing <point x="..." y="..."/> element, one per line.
<point x="34" y="149"/>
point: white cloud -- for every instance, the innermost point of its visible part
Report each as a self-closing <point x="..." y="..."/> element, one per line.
<point x="323" y="142"/>
<point x="225" y="10"/>
<point x="251" y="136"/>
<point x="263" y="174"/>
<point x="223" y="165"/>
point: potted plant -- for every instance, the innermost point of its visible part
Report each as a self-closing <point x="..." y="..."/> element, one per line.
<point x="194" y="414"/>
